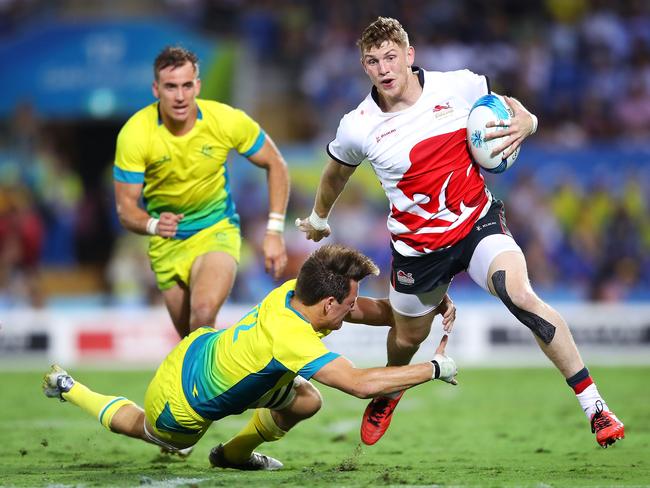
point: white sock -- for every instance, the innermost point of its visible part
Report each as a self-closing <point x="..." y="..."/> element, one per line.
<point x="588" y="400"/>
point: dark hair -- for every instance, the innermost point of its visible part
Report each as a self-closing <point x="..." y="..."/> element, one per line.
<point x="381" y="30"/>
<point x="175" y="56"/>
<point x="328" y="271"/>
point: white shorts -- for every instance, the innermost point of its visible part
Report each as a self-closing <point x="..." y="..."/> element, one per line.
<point x="416" y="305"/>
<point x="487" y="249"/>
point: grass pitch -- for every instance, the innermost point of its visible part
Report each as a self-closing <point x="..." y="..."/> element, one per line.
<point x="500" y="427"/>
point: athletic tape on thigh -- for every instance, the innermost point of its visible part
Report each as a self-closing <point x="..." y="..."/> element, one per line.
<point x="540" y="327"/>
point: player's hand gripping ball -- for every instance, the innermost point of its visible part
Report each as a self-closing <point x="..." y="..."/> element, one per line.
<point x="489" y="108"/>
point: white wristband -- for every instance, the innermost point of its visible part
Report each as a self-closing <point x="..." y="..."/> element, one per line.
<point x="534" y="124"/>
<point x="152" y="226"/>
<point x="318" y="223"/>
<point x="275" y="225"/>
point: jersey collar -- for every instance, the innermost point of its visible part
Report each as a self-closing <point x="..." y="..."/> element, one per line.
<point x="287" y="304"/>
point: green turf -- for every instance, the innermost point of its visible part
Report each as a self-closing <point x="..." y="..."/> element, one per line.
<point x="498" y="428"/>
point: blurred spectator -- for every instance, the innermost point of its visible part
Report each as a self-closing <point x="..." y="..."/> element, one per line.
<point x="618" y="271"/>
<point x="21" y="238"/>
<point x="583" y="66"/>
<point x="566" y="204"/>
<point x="538" y="231"/>
<point x="58" y="190"/>
<point x="128" y="273"/>
<point x="632" y="111"/>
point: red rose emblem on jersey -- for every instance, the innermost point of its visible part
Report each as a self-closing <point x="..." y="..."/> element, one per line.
<point x="447" y="191"/>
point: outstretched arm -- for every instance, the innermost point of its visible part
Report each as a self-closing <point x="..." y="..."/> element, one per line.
<point x="377" y="311"/>
<point x="371" y="382"/>
<point x="371" y="311"/>
<point x="332" y="182"/>
<point x="269" y="158"/>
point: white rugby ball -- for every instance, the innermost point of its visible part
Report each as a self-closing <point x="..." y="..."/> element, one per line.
<point x="488" y="108"/>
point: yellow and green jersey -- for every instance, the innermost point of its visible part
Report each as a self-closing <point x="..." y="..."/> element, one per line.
<point x="215" y="373"/>
<point x="186" y="174"/>
<point x="226" y="371"/>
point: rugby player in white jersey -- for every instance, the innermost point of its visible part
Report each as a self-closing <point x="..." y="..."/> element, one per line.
<point x="443" y="220"/>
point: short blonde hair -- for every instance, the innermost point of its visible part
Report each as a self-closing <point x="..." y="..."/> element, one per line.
<point x="381" y="30"/>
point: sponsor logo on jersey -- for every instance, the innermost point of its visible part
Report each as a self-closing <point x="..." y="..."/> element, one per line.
<point x="479" y="228"/>
<point x="440" y="111"/>
<point x="381" y="136"/>
<point x="405" y="278"/>
<point x="206" y="150"/>
<point x="162" y="160"/>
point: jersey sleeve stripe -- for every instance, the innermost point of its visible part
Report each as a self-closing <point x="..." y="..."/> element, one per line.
<point x="313" y="367"/>
<point x="487" y="84"/>
<point x="124" y="176"/>
<point x="257" y="145"/>
<point x="329" y="153"/>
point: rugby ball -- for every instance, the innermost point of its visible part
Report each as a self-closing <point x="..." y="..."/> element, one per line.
<point x="488" y="108"/>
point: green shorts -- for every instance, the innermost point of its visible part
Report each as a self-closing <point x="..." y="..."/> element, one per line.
<point x="172" y="259"/>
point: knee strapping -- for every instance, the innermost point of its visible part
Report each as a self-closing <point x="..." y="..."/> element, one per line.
<point x="266" y="426"/>
<point x="540" y="327"/>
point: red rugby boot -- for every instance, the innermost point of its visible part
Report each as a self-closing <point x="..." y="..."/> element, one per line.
<point x="606" y="426"/>
<point x="377" y="417"/>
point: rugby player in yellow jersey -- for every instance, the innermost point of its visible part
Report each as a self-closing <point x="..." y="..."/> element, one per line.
<point x="173" y="154"/>
<point x="264" y="363"/>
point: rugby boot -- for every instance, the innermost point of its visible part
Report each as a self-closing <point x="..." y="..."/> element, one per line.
<point x="377" y="417"/>
<point x="56" y="382"/>
<point x="257" y="461"/>
<point x="606" y="426"/>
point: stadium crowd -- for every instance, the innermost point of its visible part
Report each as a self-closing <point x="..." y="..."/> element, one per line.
<point x="582" y="66"/>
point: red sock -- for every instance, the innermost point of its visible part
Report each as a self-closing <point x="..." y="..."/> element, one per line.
<point x="580" y="381"/>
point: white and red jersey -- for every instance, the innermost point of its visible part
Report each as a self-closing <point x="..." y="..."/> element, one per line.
<point x="420" y="155"/>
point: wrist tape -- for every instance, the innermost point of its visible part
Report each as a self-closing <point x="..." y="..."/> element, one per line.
<point x="318" y="223"/>
<point x="436" y="370"/>
<point x="275" y="223"/>
<point x="152" y="226"/>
